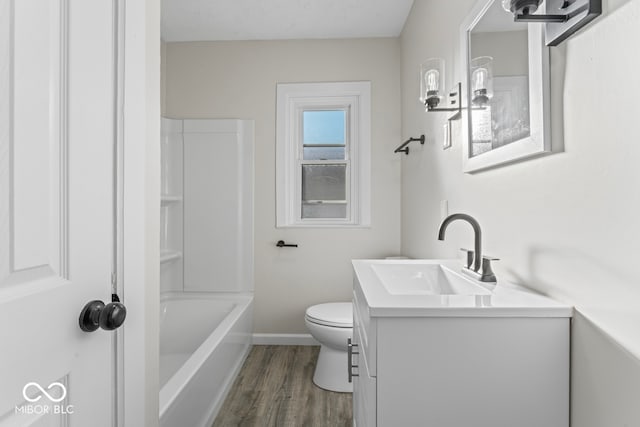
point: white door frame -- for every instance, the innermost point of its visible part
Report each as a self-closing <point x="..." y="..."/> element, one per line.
<point x="141" y="212"/>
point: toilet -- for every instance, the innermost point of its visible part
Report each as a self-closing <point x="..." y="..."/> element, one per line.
<point x="331" y="324"/>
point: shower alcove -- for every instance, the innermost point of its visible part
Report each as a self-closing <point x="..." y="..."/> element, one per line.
<point x="206" y="271"/>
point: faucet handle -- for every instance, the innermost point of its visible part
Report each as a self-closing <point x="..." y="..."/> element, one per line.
<point x="486" y="274"/>
<point x="470" y="256"/>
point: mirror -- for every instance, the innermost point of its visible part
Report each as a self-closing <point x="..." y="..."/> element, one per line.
<point x="506" y="66"/>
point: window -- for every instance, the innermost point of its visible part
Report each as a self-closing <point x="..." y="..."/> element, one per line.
<point x="323" y="154"/>
<point x="324" y="163"/>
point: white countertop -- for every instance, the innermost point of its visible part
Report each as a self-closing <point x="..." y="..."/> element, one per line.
<point x="503" y="299"/>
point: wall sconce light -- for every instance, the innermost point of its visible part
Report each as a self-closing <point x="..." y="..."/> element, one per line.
<point x="566" y="17"/>
<point x="431" y="82"/>
<point x="432" y="90"/>
<point x="481" y="80"/>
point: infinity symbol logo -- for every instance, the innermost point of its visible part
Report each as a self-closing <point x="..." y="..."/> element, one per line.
<point x="43" y="391"/>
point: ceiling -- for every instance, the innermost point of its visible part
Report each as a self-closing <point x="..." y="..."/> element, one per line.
<point x="197" y="20"/>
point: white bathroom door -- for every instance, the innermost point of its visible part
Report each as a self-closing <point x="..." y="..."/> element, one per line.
<point x="56" y="133"/>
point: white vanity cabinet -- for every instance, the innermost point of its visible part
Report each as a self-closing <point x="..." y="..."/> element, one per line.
<point x="425" y="363"/>
<point x="364" y="382"/>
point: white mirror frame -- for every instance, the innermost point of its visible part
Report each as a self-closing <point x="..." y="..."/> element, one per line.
<point x="539" y="141"/>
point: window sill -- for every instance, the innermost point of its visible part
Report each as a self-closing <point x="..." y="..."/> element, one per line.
<point x="324" y="226"/>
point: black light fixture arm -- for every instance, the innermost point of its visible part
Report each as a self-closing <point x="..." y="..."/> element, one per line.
<point x="404" y="149"/>
<point x="529" y="17"/>
<point x="565" y="17"/>
<point x="455" y="102"/>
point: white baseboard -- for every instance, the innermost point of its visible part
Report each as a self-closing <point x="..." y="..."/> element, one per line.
<point x="284" y="339"/>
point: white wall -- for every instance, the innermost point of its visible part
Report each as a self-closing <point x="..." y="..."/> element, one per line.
<point x="565" y="224"/>
<point x="238" y="80"/>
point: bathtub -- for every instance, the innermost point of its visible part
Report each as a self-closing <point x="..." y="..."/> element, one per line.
<point x="204" y="340"/>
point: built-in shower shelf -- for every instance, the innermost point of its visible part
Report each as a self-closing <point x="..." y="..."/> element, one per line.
<point x="167" y="199"/>
<point x="168" y="256"/>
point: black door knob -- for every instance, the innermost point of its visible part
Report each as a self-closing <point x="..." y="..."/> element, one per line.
<point x="112" y="316"/>
<point x="96" y="314"/>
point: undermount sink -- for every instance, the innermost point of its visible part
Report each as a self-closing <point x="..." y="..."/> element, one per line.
<point x="425" y="279"/>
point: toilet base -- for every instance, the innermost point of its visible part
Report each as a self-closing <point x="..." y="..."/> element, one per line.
<point x="331" y="371"/>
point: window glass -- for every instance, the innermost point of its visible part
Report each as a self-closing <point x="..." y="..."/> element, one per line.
<point x="324" y="210"/>
<point x="323" y="134"/>
<point x="324" y="191"/>
<point x="323" y="153"/>
<point x="323" y="182"/>
<point x="323" y="126"/>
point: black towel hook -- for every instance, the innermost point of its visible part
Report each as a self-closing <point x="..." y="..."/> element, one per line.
<point x="404" y="149"/>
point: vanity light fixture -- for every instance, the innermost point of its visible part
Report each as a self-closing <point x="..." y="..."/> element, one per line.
<point x="431" y="82"/>
<point x="432" y="89"/>
<point x="562" y="17"/>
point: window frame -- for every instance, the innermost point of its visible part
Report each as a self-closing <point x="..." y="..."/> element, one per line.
<point x="292" y="100"/>
<point x="301" y="162"/>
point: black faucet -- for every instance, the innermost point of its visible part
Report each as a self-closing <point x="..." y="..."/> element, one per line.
<point x="481" y="264"/>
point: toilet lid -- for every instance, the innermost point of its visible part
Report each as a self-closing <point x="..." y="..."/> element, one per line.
<point x="338" y="314"/>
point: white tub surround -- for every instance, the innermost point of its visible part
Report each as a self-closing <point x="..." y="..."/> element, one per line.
<point x="206" y="318"/>
<point x="207" y="205"/>
<point x="171" y="206"/>
<point x="218" y="205"/>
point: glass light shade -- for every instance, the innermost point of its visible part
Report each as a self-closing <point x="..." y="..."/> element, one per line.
<point x="481" y="80"/>
<point x="432" y="82"/>
<point x="521" y="7"/>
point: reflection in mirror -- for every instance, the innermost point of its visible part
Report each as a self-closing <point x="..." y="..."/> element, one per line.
<point x="499" y="81"/>
<point x="507" y="78"/>
<point x="481" y="80"/>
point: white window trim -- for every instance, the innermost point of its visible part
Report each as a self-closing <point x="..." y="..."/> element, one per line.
<point x="291" y="99"/>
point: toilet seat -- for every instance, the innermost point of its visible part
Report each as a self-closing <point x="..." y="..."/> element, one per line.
<point x="334" y="314"/>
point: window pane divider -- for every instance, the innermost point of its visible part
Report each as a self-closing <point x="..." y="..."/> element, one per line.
<point x="324" y="162"/>
<point x="324" y="202"/>
<point x="324" y="145"/>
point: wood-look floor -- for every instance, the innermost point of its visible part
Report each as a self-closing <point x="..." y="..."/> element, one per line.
<point x="275" y="388"/>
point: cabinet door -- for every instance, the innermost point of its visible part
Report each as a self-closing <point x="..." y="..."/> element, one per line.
<point x="429" y="368"/>
<point x="368" y="329"/>
<point x="364" y="389"/>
